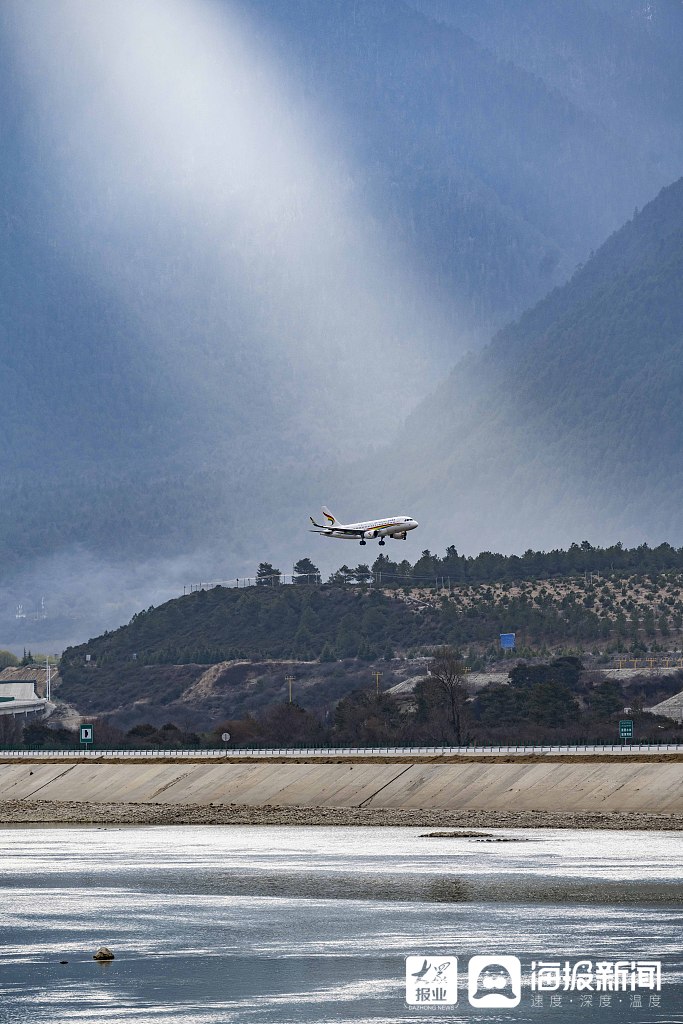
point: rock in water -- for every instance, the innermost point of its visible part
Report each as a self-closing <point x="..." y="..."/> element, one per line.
<point x="103" y="954"/>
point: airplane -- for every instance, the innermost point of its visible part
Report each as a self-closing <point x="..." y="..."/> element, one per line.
<point x="396" y="527"/>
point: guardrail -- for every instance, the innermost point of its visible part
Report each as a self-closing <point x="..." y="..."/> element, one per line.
<point x="646" y="664"/>
<point x="255" y="753"/>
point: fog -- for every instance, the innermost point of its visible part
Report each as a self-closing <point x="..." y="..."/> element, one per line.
<point x="191" y="176"/>
<point x="83" y="595"/>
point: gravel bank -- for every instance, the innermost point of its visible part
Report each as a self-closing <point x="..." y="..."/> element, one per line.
<point x="16" y="812"/>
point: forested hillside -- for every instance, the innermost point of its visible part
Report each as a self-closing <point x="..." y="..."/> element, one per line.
<point x="375" y="612"/>
<point x="234" y="654"/>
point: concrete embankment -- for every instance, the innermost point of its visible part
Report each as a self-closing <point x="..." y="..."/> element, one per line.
<point x="536" y="791"/>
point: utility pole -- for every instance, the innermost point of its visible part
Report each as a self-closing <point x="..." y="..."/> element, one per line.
<point x="289" y="680"/>
<point x="377" y="676"/>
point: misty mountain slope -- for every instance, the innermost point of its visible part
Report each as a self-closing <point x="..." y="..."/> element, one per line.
<point x="617" y="59"/>
<point x="496" y="181"/>
<point x="569" y="422"/>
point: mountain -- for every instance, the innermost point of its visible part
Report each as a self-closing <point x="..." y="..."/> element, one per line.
<point x="569" y="422"/>
<point x="615" y="60"/>
<point x="494" y="179"/>
<point x="240" y="241"/>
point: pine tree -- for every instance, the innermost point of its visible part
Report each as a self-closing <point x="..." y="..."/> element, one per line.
<point x="267" y="576"/>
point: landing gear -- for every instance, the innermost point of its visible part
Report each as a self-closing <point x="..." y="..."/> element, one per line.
<point x="363" y="542"/>
<point x="381" y="543"/>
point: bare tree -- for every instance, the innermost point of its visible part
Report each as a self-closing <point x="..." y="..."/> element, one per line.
<point x="447" y="672"/>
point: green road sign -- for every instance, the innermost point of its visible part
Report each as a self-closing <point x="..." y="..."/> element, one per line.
<point x="87" y="733"/>
<point x="625" y="729"/>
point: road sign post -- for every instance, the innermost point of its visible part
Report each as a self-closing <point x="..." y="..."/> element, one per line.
<point x="87" y="735"/>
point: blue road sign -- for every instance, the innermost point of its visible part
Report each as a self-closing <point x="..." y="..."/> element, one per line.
<point x="507" y="641"/>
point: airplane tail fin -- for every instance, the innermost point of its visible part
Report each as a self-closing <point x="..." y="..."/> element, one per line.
<point x="328" y="515"/>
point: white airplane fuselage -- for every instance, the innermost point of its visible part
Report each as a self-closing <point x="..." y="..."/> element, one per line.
<point x="396" y="527"/>
<point x="377" y="528"/>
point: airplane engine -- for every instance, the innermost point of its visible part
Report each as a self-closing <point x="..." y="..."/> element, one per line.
<point x="370" y="534"/>
<point x="400" y="536"/>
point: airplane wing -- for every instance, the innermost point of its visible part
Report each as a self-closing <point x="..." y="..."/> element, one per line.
<point x="336" y="532"/>
<point x="335" y="529"/>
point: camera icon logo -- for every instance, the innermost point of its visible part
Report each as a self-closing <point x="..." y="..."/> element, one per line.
<point x="494" y="981"/>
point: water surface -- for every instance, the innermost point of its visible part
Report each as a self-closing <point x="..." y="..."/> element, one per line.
<point x="300" y="925"/>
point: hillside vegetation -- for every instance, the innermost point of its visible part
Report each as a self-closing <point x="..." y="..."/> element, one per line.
<point x="353" y="617"/>
<point x="351" y="702"/>
<point x="229" y="653"/>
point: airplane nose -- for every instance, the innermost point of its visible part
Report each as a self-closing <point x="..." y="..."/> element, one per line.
<point x="413" y="524"/>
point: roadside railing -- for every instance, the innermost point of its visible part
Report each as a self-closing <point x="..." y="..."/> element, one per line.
<point x="646" y="663"/>
<point x="299" y="752"/>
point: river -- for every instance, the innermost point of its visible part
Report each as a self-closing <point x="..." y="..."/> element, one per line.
<point x="301" y="925"/>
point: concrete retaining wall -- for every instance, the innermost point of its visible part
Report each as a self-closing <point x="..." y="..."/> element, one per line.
<point x="630" y="786"/>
